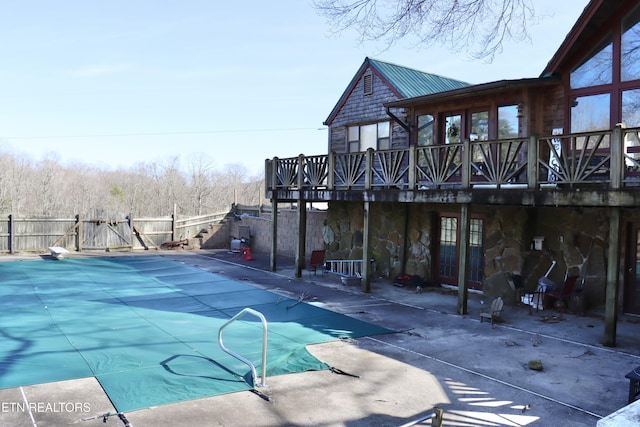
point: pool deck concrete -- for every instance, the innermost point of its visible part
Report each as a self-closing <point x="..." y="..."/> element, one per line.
<point x="478" y="374"/>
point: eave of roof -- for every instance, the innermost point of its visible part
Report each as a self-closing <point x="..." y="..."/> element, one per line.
<point x="479" y="89"/>
<point x="583" y="28"/>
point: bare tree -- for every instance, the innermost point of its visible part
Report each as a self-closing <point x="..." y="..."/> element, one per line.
<point x="477" y="26"/>
<point x="201" y="175"/>
<point x="23" y="187"/>
<point x="135" y="188"/>
<point x="49" y="188"/>
<point x="6" y="183"/>
<point x="47" y="173"/>
<point x="173" y="187"/>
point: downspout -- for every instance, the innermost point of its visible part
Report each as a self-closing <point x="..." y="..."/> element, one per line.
<point x="398" y="120"/>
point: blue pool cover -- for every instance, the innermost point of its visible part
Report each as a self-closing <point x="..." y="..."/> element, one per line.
<point x="147" y="328"/>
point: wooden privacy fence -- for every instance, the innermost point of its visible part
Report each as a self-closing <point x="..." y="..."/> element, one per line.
<point x="126" y="233"/>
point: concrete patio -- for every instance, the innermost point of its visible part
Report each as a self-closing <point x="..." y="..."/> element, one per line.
<point x="478" y="374"/>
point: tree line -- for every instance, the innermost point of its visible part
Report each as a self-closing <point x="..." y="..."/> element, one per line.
<point x="49" y="188"/>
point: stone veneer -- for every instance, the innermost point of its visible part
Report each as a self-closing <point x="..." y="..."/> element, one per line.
<point x="574" y="238"/>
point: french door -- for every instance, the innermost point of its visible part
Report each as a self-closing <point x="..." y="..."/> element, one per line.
<point x="632" y="270"/>
<point x="448" y="251"/>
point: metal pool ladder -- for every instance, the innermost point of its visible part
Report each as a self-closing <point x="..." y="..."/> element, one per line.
<point x="264" y="345"/>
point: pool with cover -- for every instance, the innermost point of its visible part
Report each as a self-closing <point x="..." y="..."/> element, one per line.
<point x="147" y="328"/>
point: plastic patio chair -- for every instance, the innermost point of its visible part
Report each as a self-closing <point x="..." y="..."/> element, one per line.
<point x="494" y="310"/>
<point x="316" y="261"/>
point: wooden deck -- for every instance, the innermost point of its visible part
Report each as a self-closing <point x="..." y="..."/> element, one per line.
<point x="586" y="169"/>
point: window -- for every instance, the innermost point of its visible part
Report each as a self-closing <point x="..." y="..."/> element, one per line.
<point x="479" y="126"/>
<point x="589" y="113"/>
<point x="631" y="107"/>
<point x="447" y="269"/>
<point x="368" y="137"/>
<point x="476" y="258"/>
<point x="604" y="87"/>
<point x="383" y="136"/>
<point x="374" y="135"/>
<point x="425" y="129"/>
<point x="508" y="122"/>
<point x="367" y="82"/>
<point x="596" y="69"/>
<point x="353" y="138"/>
<point x="631" y="117"/>
<point x="448" y="251"/>
<point x="453" y="129"/>
<point x="630" y="50"/>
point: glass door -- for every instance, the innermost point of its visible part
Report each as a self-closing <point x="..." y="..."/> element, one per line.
<point x="632" y="270"/>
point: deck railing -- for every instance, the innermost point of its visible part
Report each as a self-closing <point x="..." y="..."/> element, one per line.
<point x="601" y="160"/>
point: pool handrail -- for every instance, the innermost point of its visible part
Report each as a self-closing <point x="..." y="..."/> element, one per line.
<point x="264" y="345"/>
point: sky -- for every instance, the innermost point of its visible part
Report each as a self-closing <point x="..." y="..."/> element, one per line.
<point x="114" y="84"/>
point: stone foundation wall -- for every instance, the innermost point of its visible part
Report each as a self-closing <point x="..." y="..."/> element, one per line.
<point x="402" y="241"/>
<point x="575" y="238"/>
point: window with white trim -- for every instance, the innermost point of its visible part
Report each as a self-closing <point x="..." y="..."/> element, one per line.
<point x="373" y="135"/>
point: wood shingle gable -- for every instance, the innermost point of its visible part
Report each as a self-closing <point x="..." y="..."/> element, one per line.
<point x="396" y="82"/>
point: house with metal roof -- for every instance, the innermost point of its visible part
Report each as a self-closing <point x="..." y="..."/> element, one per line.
<point x="360" y="120"/>
<point x="514" y="188"/>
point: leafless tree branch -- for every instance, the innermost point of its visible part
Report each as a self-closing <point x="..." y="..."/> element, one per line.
<point x="479" y="27"/>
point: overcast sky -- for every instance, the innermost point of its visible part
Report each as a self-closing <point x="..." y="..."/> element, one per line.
<point x="112" y="84"/>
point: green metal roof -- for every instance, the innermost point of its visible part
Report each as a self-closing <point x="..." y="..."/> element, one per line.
<point x="411" y="83"/>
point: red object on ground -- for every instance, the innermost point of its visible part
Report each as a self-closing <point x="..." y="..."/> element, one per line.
<point x="247" y="255"/>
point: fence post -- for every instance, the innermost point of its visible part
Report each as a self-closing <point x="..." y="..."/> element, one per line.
<point x="11" y="242"/>
<point x="78" y="233"/>
<point x="132" y="233"/>
<point x="173" y="223"/>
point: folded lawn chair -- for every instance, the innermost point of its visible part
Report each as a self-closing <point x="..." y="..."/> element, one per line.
<point x="559" y="297"/>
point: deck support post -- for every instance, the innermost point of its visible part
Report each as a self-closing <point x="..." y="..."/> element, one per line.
<point x="366" y="256"/>
<point x="274" y="234"/>
<point x="302" y="217"/>
<point x="613" y="279"/>
<point x="463" y="260"/>
<point x="302" y="234"/>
